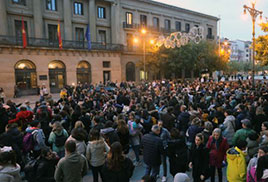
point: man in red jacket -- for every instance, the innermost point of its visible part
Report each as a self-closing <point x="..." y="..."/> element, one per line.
<point x="22" y="118"/>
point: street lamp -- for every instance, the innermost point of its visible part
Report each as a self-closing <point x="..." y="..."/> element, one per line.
<point x="143" y="32"/>
<point x="254" y="14"/>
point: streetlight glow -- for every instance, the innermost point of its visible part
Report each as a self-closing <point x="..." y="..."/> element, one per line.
<point x="135" y="40"/>
<point x="151" y="41"/>
<point x="143" y="31"/>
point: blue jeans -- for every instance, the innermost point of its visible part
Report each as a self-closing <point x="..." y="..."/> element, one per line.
<point x="152" y="171"/>
<point x="136" y="149"/>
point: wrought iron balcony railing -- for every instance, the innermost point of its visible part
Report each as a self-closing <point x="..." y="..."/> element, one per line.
<point x="66" y="44"/>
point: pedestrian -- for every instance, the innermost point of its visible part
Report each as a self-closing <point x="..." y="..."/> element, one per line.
<point x="165" y="137"/>
<point x="152" y="151"/>
<point x="38" y="138"/>
<point x="236" y="159"/>
<point x="177" y="153"/>
<point x="79" y="137"/>
<point x="218" y="146"/>
<point x="46" y="165"/>
<point x="117" y="167"/>
<point x="228" y="127"/>
<point x="243" y="133"/>
<point x="97" y="149"/>
<point x="123" y="134"/>
<point x="73" y="167"/>
<point x="9" y="169"/>
<point x="199" y="159"/>
<point x="253" y="162"/>
<point x="135" y="133"/>
<point x="57" y="138"/>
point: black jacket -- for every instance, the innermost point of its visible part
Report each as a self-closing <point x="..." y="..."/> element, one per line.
<point x="122" y="175"/>
<point x="152" y="149"/>
<point x="200" y="160"/>
<point x="45" y="170"/>
<point x="178" y="156"/>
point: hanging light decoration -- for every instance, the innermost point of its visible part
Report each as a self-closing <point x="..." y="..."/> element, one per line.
<point x="178" y="39"/>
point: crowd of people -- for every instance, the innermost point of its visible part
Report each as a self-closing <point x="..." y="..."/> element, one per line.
<point x="200" y="127"/>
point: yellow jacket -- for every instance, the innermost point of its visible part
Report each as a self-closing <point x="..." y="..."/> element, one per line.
<point x="237" y="167"/>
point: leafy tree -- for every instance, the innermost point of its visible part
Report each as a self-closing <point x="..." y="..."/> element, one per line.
<point x="262" y="45"/>
<point x="190" y="57"/>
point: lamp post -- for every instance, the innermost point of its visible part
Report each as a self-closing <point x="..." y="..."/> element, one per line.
<point x="143" y="32"/>
<point x="254" y="13"/>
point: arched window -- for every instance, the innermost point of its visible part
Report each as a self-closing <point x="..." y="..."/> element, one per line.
<point x="57" y="76"/>
<point x="130" y="72"/>
<point x="25" y="77"/>
<point x="83" y="72"/>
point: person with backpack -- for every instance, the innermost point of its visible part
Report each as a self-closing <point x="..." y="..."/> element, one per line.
<point x="44" y="115"/>
<point x="34" y="140"/>
<point x="57" y="138"/>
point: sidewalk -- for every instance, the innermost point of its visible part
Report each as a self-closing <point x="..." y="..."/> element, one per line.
<point x="31" y="98"/>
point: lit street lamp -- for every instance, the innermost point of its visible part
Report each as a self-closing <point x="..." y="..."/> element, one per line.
<point x="254" y="14"/>
<point x="151" y="41"/>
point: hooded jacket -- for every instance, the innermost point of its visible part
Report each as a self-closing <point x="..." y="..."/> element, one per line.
<point x="71" y="168"/>
<point x="229" y="128"/>
<point x="236" y="169"/>
<point x="10" y="173"/>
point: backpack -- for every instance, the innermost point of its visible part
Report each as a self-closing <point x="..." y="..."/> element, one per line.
<point x="28" y="142"/>
<point x="60" y="140"/>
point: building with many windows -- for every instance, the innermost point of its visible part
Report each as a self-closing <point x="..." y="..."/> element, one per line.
<point x="112" y="23"/>
<point x="241" y="51"/>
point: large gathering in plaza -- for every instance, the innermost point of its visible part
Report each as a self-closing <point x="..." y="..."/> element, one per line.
<point x="132" y="90"/>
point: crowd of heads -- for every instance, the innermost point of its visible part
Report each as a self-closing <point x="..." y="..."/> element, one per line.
<point x="193" y="110"/>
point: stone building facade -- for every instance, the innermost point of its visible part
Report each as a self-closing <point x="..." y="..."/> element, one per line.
<point x="112" y="23"/>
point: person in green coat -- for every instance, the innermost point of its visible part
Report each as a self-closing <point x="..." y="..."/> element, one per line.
<point x="243" y="133"/>
<point x="57" y="138"/>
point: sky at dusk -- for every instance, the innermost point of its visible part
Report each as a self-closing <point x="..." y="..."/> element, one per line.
<point x="233" y="24"/>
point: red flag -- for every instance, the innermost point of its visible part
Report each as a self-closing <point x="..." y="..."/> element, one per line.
<point x="59" y="36"/>
<point x="24" y="38"/>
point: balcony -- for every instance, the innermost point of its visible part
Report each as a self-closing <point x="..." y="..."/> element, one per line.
<point x="66" y="44"/>
<point x="210" y="37"/>
<point x="131" y="26"/>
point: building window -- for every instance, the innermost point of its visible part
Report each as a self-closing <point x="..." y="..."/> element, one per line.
<point x="18" y="28"/>
<point x="178" y="26"/>
<point x="20" y="2"/>
<point x="187" y="27"/>
<point x="209" y="31"/>
<point x="129" y="18"/>
<point x="52" y="33"/>
<point x="167" y="25"/>
<point x="247" y="55"/>
<point x="102" y="36"/>
<point x="51" y="5"/>
<point x="106" y="64"/>
<point x="79" y="34"/>
<point x="156" y="22"/>
<point x="101" y="13"/>
<point x="78" y="8"/>
<point x="143" y="20"/>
